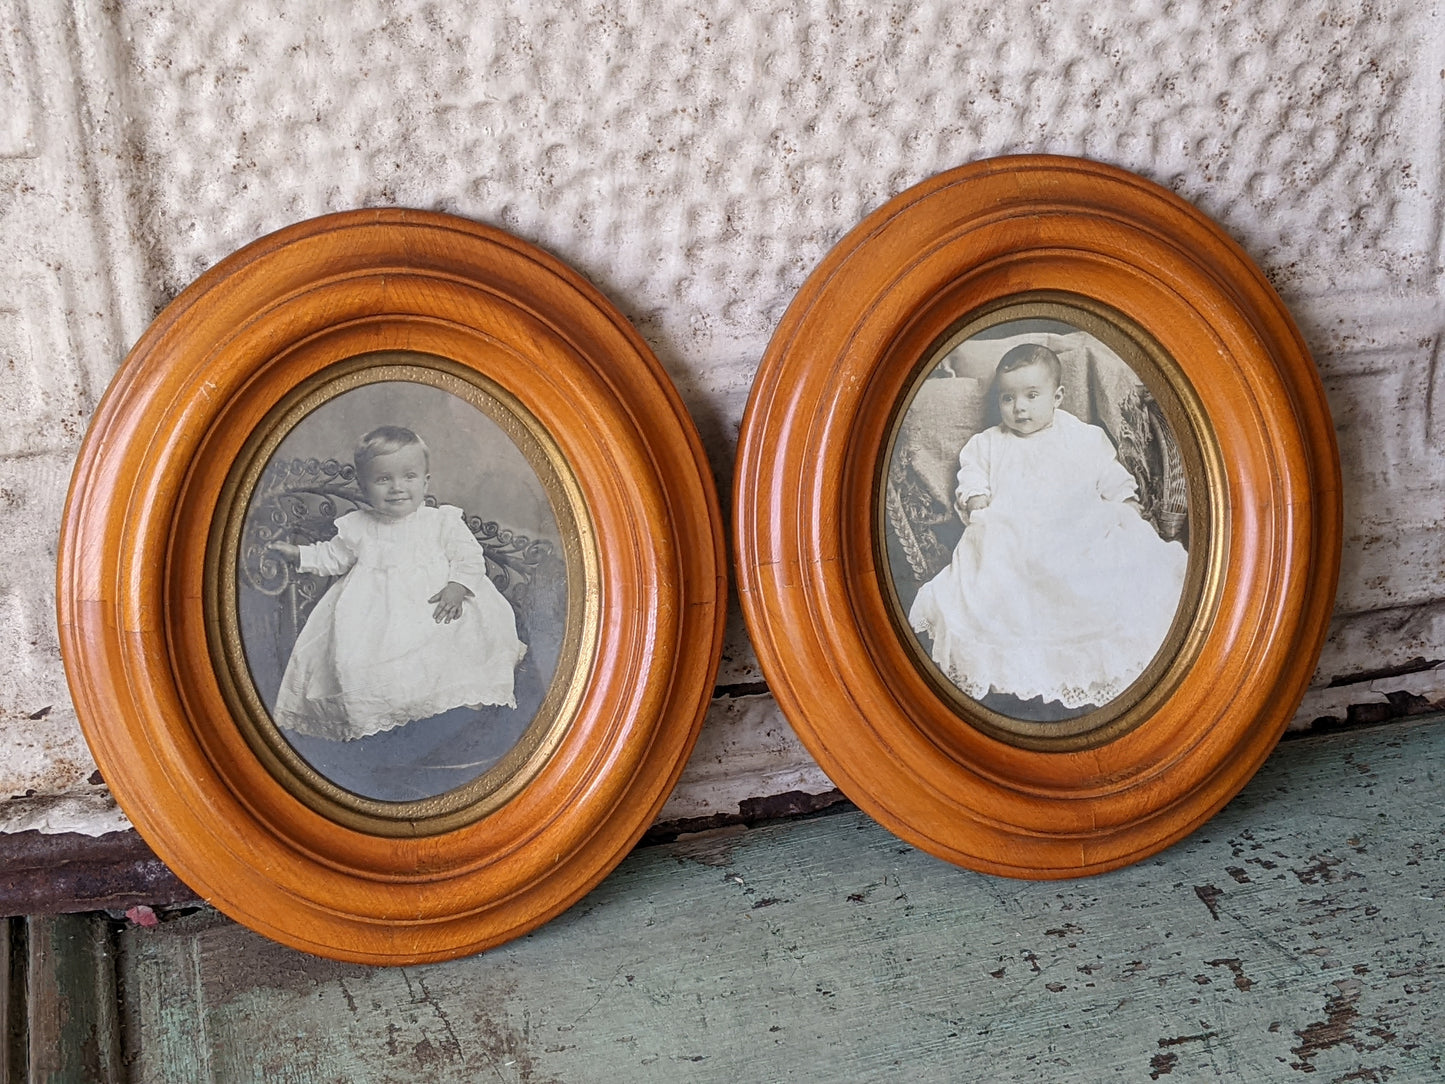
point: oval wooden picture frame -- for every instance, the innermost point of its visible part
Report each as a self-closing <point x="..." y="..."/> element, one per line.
<point x="1034" y="236"/>
<point x="148" y="566"/>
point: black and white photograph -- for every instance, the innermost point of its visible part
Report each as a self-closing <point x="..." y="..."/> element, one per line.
<point x="402" y="604"/>
<point x="1036" y="520"/>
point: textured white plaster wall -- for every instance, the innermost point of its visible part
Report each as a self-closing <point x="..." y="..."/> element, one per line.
<point x="696" y="162"/>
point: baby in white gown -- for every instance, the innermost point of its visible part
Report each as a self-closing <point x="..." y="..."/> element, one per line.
<point x="1059" y="588"/>
<point x="415" y="627"/>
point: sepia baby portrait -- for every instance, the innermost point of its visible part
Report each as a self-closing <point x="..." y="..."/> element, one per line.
<point x="1037" y="521"/>
<point x="402" y="603"/>
<point x="414" y="626"/>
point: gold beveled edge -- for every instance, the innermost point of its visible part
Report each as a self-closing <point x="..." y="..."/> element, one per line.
<point x="1208" y="521"/>
<point x="509" y="776"/>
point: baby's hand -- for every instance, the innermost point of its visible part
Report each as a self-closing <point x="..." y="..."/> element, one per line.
<point x="972" y="505"/>
<point x="286" y="550"/>
<point x="449" y="602"/>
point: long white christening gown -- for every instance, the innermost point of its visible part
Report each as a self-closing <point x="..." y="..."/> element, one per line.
<point x="1058" y="589"/>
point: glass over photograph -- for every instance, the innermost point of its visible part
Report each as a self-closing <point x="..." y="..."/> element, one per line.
<point x="1036" y="521"/>
<point x="401" y="600"/>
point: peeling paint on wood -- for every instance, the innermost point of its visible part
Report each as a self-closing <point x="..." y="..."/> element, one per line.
<point x="1300" y="934"/>
<point x="71" y="1008"/>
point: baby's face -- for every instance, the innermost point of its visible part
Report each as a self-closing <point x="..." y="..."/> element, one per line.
<point x="1027" y="398"/>
<point x="395" y="484"/>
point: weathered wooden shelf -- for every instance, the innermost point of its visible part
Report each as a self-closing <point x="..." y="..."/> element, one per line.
<point x="1300" y="932"/>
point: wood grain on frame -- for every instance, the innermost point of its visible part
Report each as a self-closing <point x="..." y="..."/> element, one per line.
<point x="807" y="487"/>
<point x="147" y="490"/>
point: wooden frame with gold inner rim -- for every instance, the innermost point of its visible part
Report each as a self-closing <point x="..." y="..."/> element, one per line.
<point x="161" y="478"/>
<point x="1216" y="345"/>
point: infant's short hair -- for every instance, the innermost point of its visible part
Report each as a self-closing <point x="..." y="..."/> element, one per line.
<point x="384" y="440"/>
<point x="1031" y="354"/>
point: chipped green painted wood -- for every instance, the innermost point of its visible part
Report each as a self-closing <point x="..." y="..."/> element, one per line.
<point x="1297" y="936"/>
<point x="71" y="1008"/>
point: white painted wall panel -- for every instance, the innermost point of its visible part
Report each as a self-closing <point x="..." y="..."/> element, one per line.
<point x="696" y="163"/>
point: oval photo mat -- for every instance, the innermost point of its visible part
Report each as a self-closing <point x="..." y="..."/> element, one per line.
<point x="410" y="758"/>
<point x="1052" y="611"/>
<point x="1206" y="432"/>
<point x="555" y="445"/>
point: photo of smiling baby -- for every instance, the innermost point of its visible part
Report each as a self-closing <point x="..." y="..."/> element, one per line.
<point x="394" y="652"/>
<point x="1059" y="592"/>
<point x="414" y="627"/>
